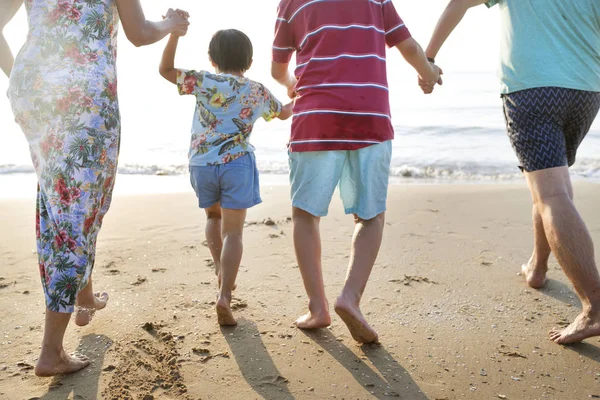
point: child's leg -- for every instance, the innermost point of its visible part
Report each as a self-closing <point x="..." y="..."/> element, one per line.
<point x="231" y="257"/>
<point x="213" y="234"/>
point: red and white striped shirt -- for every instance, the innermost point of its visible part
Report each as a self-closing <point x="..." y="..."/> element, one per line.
<point x="340" y="47"/>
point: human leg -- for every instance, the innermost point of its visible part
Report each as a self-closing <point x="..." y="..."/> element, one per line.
<point x="313" y="177"/>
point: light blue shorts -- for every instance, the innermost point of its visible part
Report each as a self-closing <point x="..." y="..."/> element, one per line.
<point x="234" y="184"/>
<point x="362" y="176"/>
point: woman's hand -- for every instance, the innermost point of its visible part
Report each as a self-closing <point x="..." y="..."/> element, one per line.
<point x="179" y="18"/>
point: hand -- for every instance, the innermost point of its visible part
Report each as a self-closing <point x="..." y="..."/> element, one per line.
<point x="179" y="20"/>
<point x="428" y="86"/>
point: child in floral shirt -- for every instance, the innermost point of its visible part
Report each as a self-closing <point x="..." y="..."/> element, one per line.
<point x="222" y="163"/>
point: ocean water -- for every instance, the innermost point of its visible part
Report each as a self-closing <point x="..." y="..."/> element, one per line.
<point x="456" y="134"/>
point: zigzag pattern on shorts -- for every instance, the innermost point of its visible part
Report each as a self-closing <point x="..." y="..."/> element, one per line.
<point x="547" y="125"/>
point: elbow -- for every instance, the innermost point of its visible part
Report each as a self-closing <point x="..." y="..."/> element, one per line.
<point x="139" y="37"/>
<point x="137" y="40"/>
<point x="278" y="73"/>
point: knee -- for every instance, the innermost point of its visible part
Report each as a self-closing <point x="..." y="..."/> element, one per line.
<point x="213" y="215"/>
<point x="301" y="216"/>
<point x="554" y="199"/>
<point x="378" y="219"/>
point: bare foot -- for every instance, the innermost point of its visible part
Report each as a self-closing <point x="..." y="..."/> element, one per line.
<point x="224" y="315"/>
<point x="535" y="275"/>
<point x="85" y="312"/>
<point x="582" y="328"/>
<point x="314" y="321"/>
<point x="60" y="365"/>
<point x="358" y="326"/>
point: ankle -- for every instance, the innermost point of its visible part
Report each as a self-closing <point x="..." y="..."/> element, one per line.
<point x="350" y="297"/>
<point x="539" y="261"/>
<point x="225" y="295"/>
<point x="318" y="307"/>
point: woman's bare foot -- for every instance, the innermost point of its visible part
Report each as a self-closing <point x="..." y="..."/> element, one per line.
<point x="60" y="364"/>
<point x="358" y="326"/>
<point x="535" y="275"/>
<point x="224" y="315"/>
<point x="85" y="311"/>
<point x="314" y="320"/>
<point x="582" y="328"/>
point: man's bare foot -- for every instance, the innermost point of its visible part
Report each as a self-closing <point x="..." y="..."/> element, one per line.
<point x="85" y="312"/>
<point x="358" y="326"/>
<point x="224" y="315"/>
<point x="61" y="364"/>
<point x="535" y="275"/>
<point x="582" y="328"/>
<point x="314" y="321"/>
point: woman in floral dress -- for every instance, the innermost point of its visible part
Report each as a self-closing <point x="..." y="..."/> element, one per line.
<point x="63" y="92"/>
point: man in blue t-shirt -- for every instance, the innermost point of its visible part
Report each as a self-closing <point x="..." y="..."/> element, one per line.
<point x="550" y="77"/>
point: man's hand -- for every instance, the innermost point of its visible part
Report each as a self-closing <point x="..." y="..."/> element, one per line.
<point x="428" y="86"/>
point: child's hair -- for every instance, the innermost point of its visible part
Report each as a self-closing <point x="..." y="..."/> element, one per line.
<point x="231" y="50"/>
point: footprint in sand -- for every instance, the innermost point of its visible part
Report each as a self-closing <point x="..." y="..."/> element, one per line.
<point x="140" y="280"/>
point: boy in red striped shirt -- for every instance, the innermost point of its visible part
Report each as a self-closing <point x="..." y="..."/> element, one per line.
<point x="341" y="133"/>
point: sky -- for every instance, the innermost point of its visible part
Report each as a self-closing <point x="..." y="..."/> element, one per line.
<point x="151" y="107"/>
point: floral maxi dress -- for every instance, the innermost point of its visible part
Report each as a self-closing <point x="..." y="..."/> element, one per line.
<point x="63" y="92"/>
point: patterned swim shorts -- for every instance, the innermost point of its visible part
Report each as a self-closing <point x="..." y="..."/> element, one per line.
<point x="546" y="125"/>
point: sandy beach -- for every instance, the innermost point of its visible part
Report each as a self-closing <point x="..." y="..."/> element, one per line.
<point x="455" y="319"/>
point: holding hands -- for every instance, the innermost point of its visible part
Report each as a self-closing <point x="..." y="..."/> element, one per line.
<point x="427" y="86"/>
<point x="179" y="20"/>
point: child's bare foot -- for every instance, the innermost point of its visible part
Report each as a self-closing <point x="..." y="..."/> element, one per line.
<point x="358" y="326"/>
<point x="86" y="310"/>
<point x="224" y="315"/>
<point x="314" y="320"/>
<point x="60" y="364"/>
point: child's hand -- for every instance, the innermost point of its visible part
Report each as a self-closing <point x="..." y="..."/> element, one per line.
<point x="180" y="21"/>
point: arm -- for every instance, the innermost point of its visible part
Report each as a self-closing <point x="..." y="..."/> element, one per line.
<point x="286" y="111"/>
<point x="141" y="32"/>
<point x="8" y="9"/>
<point x="449" y="20"/>
<point x="167" y="64"/>
<point x="415" y="56"/>
<point x="280" y="72"/>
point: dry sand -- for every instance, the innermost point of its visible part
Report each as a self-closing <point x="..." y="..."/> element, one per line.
<point x="454" y="318"/>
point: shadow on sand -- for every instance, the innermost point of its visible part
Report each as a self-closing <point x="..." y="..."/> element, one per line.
<point x="254" y="361"/>
<point x="561" y="292"/>
<point x="388" y="380"/>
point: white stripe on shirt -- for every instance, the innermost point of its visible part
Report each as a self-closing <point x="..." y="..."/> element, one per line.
<point x="360" y="113"/>
<point x="340" y="27"/>
<point x="378" y="2"/>
<point x="345" y="55"/>
<point x="395" y="29"/>
<point x="344" y="85"/>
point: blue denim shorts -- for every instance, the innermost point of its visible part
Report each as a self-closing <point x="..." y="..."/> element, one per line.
<point x="234" y="184"/>
<point x="362" y="176"/>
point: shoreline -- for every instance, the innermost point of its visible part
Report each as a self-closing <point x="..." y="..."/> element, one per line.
<point x="23" y="185"/>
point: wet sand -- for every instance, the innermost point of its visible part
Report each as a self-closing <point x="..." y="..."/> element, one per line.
<point x="454" y="318"/>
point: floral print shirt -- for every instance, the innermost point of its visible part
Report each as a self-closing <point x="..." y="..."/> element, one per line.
<point x="227" y="106"/>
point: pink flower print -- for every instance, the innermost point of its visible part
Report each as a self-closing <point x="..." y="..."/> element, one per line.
<point x="246" y="113"/>
<point x="189" y="84"/>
